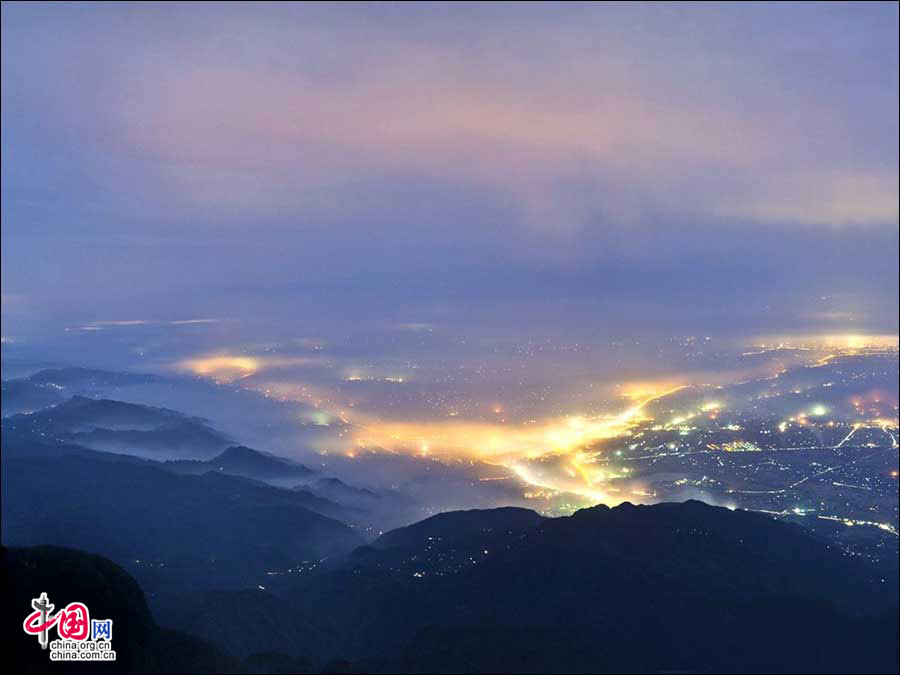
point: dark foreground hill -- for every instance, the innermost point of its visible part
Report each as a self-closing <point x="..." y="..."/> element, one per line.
<point x="173" y="532"/>
<point x="108" y="592"/>
<point x="673" y="587"/>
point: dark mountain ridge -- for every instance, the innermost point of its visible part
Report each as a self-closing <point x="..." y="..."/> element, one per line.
<point x="116" y="426"/>
<point x="172" y="532"/>
<point x="633" y="588"/>
<point x="240" y="460"/>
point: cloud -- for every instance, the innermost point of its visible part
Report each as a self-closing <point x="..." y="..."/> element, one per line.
<point x="129" y="323"/>
<point x="861" y="199"/>
<point x="596" y="118"/>
<point x="239" y="141"/>
<point x="229" y="159"/>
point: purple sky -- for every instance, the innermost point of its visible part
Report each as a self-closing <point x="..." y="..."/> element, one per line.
<point x="502" y="169"/>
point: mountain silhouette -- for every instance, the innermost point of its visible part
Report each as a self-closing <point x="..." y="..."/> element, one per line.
<point x="274" y="578"/>
<point x="23" y="396"/>
<point x="173" y="532"/>
<point x="243" y="461"/>
<point x="629" y="589"/>
<point x="116" y="426"/>
<point x="67" y="575"/>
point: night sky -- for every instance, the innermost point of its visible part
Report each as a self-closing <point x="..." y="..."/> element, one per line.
<point x="479" y="172"/>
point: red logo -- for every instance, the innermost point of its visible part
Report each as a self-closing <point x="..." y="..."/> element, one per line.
<point x="72" y="623"/>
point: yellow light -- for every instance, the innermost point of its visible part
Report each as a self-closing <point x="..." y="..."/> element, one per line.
<point x="649" y="389"/>
<point x="227" y="367"/>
